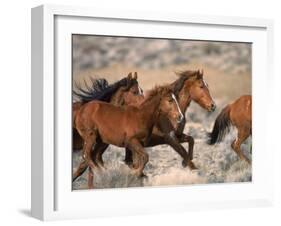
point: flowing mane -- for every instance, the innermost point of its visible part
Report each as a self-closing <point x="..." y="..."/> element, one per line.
<point x="100" y="89"/>
<point x="183" y="76"/>
<point x="157" y="91"/>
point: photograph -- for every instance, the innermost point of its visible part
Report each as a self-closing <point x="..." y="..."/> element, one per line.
<point x="152" y="112"/>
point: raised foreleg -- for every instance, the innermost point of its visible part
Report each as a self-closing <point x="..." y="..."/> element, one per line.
<point x="173" y="141"/>
<point x="190" y="140"/>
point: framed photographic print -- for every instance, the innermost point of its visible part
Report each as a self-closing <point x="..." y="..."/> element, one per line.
<point x="137" y="112"/>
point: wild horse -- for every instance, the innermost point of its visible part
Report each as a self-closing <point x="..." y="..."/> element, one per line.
<point x="169" y="130"/>
<point x="123" y="92"/>
<point x="101" y="124"/>
<point x="238" y="114"/>
<point x="190" y="86"/>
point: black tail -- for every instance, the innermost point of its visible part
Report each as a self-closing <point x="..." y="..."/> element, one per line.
<point x="221" y="126"/>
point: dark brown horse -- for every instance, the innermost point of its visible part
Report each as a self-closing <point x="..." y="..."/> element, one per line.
<point x="123" y="92"/>
<point x="238" y="114"/>
<point x="190" y="86"/>
<point x="101" y="124"/>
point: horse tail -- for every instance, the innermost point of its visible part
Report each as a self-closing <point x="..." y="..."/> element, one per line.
<point x="221" y="126"/>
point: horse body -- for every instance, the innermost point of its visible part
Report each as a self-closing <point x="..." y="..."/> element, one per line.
<point x="168" y="129"/>
<point x="133" y="126"/>
<point x="131" y="121"/>
<point x="123" y="92"/>
<point x="189" y="87"/>
<point x="238" y="114"/>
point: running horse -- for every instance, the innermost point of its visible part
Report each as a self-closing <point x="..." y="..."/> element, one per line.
<point x="101" y="124"/>
<point x="126" y="91"/>
<point x="239" y="115"/>
<point x="190" y="86"/>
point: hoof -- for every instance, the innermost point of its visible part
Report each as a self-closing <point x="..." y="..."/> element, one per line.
<point x="91" y="185"/>
<point x="143" y="175"/>
<point x="192" y="166"/>
<point x="139" y="174"/>
<point x="131" y="166"/>
<point x="128" y="163"/>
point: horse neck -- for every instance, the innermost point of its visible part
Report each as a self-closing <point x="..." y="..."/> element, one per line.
<point x="184" y="99"/>
<point x="149" y="107"/>
<point x="117" y="98"/>
<point x="117" y="91"/>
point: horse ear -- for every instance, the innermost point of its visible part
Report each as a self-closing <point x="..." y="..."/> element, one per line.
<point x="199" y="74"/>
<point x="130" y="75"/>
<point x="136" y="75"/>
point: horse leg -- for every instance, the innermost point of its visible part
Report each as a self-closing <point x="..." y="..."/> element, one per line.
<point x="83" y="164"/>
<point x="98" y="152"/>
<point x="140" y="155"/>
<point x="90" y="178"/>
<point x="243" y="134"/>
<point x="172" y="140"/>
<point x="80" y="170"/>
<point x="190" y="140"/>
<point x="87" y="149"/>
<point x="128" y="157"/>
<point x="154" y="141"/>
<point x="90" y="140"/>
<point x="77" y="141"/>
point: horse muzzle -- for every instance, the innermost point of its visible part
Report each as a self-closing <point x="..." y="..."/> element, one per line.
<point x="212" y="107"/>
<point x="180" y="119"/>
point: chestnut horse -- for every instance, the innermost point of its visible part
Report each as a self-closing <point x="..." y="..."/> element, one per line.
<point x="190" y="86"/>
<point x="101" y="124"/>
<point x="238" y="114"/>
<point x="123" y="92"/>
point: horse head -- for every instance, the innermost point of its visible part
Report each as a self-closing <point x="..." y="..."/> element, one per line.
<point x="196" y="88"/>
<point x="132" y="92"/>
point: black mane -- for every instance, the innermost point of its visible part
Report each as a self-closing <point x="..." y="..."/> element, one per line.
<point x="100" y="89"/>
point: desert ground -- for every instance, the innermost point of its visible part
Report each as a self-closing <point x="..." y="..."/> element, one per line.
<point x="227" y="71"/>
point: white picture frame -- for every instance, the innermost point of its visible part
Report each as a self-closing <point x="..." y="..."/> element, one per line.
<point x="52" y="197"/>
